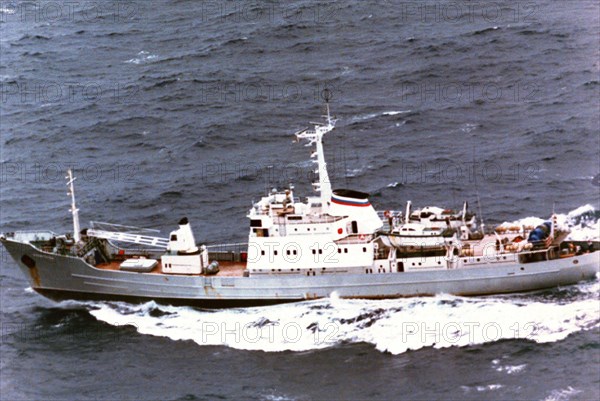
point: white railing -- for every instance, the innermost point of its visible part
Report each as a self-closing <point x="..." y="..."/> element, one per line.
<point x="233" y="247"/>
<point x="129" y="238"/>
<point x="31" y="236"/>
<point x="397" y="216"/>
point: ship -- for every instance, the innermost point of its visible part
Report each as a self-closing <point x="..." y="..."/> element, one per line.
<point x="331" y="243"/>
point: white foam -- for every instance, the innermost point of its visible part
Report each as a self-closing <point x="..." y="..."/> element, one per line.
<point x="586" y="233"/>
<point x="480" y="389"/>
<point x="584" y="230"/>
<point x="373" y="115"/>
<point x="364" y="117"/>
<point x="468" y="128"/>
<point x="394" y="113"/>
<point x="393" y="326"/>
<point x="508" y="369"/>
<point x="142" y="57"/>
<point x="489" y="387"/>
<point x="562" y="394"/>
<point x="581" y="210"/>
<point x="526" y="221"/>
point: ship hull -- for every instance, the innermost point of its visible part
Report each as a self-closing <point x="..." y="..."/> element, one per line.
<point x="61" y="277"/>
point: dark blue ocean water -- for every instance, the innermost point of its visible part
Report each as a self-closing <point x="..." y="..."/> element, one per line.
<point x="173" y="108"/>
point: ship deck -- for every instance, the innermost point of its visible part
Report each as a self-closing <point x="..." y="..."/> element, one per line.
<point x="226" y="268"/>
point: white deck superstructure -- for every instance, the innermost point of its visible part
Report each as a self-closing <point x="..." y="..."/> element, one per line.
<point x="332" y="232"/>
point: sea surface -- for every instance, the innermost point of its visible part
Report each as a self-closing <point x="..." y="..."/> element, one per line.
<point x="167" y="109"/>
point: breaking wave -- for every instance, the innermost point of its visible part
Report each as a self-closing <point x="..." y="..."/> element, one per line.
<point x="394" y="326"/>
<point x="583" y="223"/>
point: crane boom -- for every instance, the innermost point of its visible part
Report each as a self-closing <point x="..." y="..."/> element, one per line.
<point x="128" y="237"/>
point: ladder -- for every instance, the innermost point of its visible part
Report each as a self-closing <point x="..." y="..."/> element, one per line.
<point x="128" y="237"/>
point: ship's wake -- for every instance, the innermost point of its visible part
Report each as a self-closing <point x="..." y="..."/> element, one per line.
<point x="393" y="326"/>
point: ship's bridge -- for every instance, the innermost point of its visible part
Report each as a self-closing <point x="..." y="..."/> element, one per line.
<point x="330" y="232"/>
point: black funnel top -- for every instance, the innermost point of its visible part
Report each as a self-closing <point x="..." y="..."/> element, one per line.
<point x="350" y="193"/>
<point x="183" y="221"/>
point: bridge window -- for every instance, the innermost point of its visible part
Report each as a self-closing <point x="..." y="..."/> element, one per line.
<point x="262" y="232"/>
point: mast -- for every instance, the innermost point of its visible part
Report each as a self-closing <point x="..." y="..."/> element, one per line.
<point x="316" y="137"/>
<point x="482" y="224"/>
<point x="74" y="210"/>
<point x="553" y="220"/>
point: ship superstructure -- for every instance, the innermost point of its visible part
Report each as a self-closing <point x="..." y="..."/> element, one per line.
<point x="332" y="232"/>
